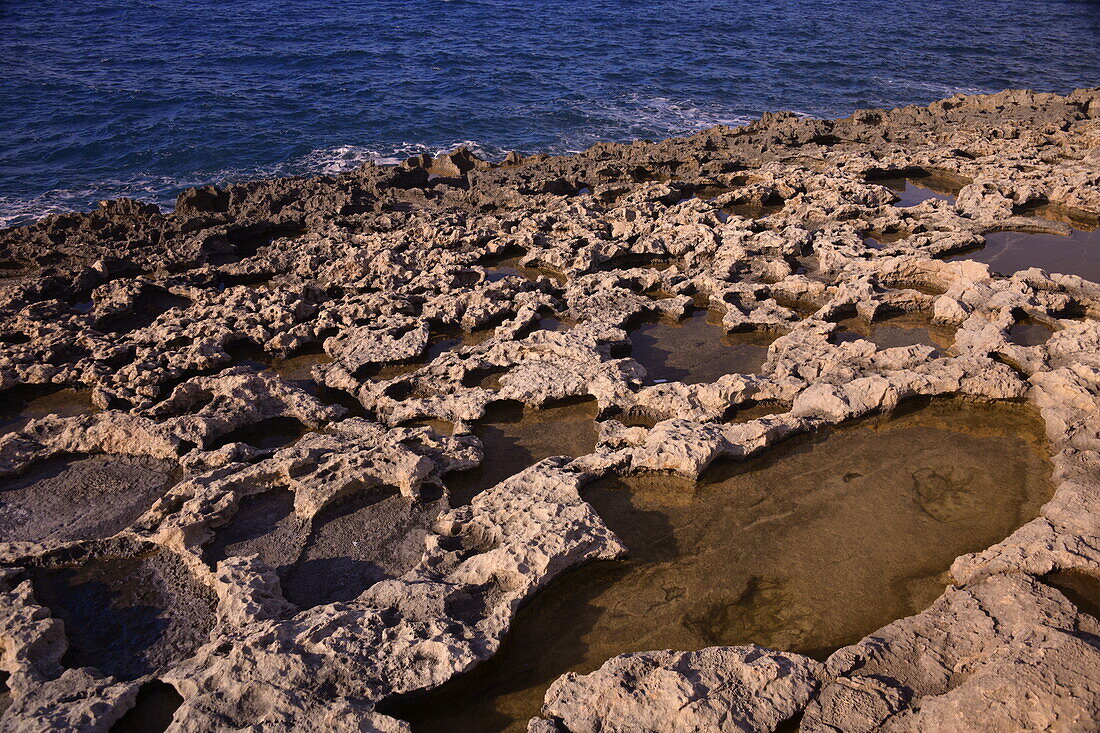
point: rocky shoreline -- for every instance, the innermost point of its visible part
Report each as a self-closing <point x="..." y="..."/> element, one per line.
<point x="229" y="464"/>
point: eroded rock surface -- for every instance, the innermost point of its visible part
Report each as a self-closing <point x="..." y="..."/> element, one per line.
<point x="746" y="688"/>
<point x="269" y="421"/>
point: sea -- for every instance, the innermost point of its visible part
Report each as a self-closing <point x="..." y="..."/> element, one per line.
<point x="142" y="98"/>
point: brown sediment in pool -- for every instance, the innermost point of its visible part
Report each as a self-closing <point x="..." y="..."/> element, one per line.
<point x="696" y="350"/>
<point x="1007" y="252"/>
<point x="514" y="438"/>
<point x="440" y="426"/>
<point x="655" y="262"/>
<point x="81" y="497"/>
<point x="21" y="405"/>
<point x="445" y="339"/>
<point x="1029" y="333"/>
<point x="808" y="548"/>
<point x="298" y="368"/>
<point x="394" y="370"/>
<point x="878" y="240"/>
<point x="126" y="615"/>
<point x="753" y="211"/>
<point x="751" y="410"/>
<point x="347" y="547"/>
<point x="804" y="308"/>
<point x="894" y="331"/>
<point x="512" y="266"/>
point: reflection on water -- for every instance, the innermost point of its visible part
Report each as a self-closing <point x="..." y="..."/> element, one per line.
<point x="696" y="350"/>
<point x="1074" y="217"/>
<point x="808" y="548"/>
<point x="878" y="240"/>
<point x="915" y="190"/>
<point x="904" y="330"/>
<point x="1029" y="333"/>
<point x="1009" y="252"/>
<point x="511" y="267"/>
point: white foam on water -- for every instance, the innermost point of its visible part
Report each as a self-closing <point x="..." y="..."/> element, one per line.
<point x="163" y="190"/>
<point x="160" y="190"/>
<point x="638" y="116"/>
<point x="937" y="90"/>
<point x="336" y="159"/>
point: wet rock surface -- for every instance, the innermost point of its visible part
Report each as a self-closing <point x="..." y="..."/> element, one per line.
<point x="126" y="615"/>
<point x="76" y="498"/>
<point x="302" y="451"/>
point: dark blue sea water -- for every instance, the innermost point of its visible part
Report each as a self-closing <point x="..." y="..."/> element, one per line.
<point x="102" y="98"/>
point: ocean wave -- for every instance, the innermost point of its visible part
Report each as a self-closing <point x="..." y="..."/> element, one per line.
<point x="290" y="98"/>
<point x="159" y="190"/>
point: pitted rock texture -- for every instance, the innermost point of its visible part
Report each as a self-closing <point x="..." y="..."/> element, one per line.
<point x="333" y="346"/>
<point x="987" y="654"/>
<point x="745" y="688"/>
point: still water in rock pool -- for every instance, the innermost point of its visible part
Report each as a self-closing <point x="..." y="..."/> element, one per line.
<point x="696" y="350"/>
<point x="808" y="548"/>
<point x="913" y="191"/>
<point x="1077" y="253"/>
<point x="515" y="438"/>
<point x="892" y="332"/>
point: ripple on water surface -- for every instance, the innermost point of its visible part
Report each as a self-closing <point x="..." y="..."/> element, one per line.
<point x="807" y="549"/>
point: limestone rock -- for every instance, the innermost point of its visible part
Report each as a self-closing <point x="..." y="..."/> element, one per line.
<point x="744" y="688"/>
